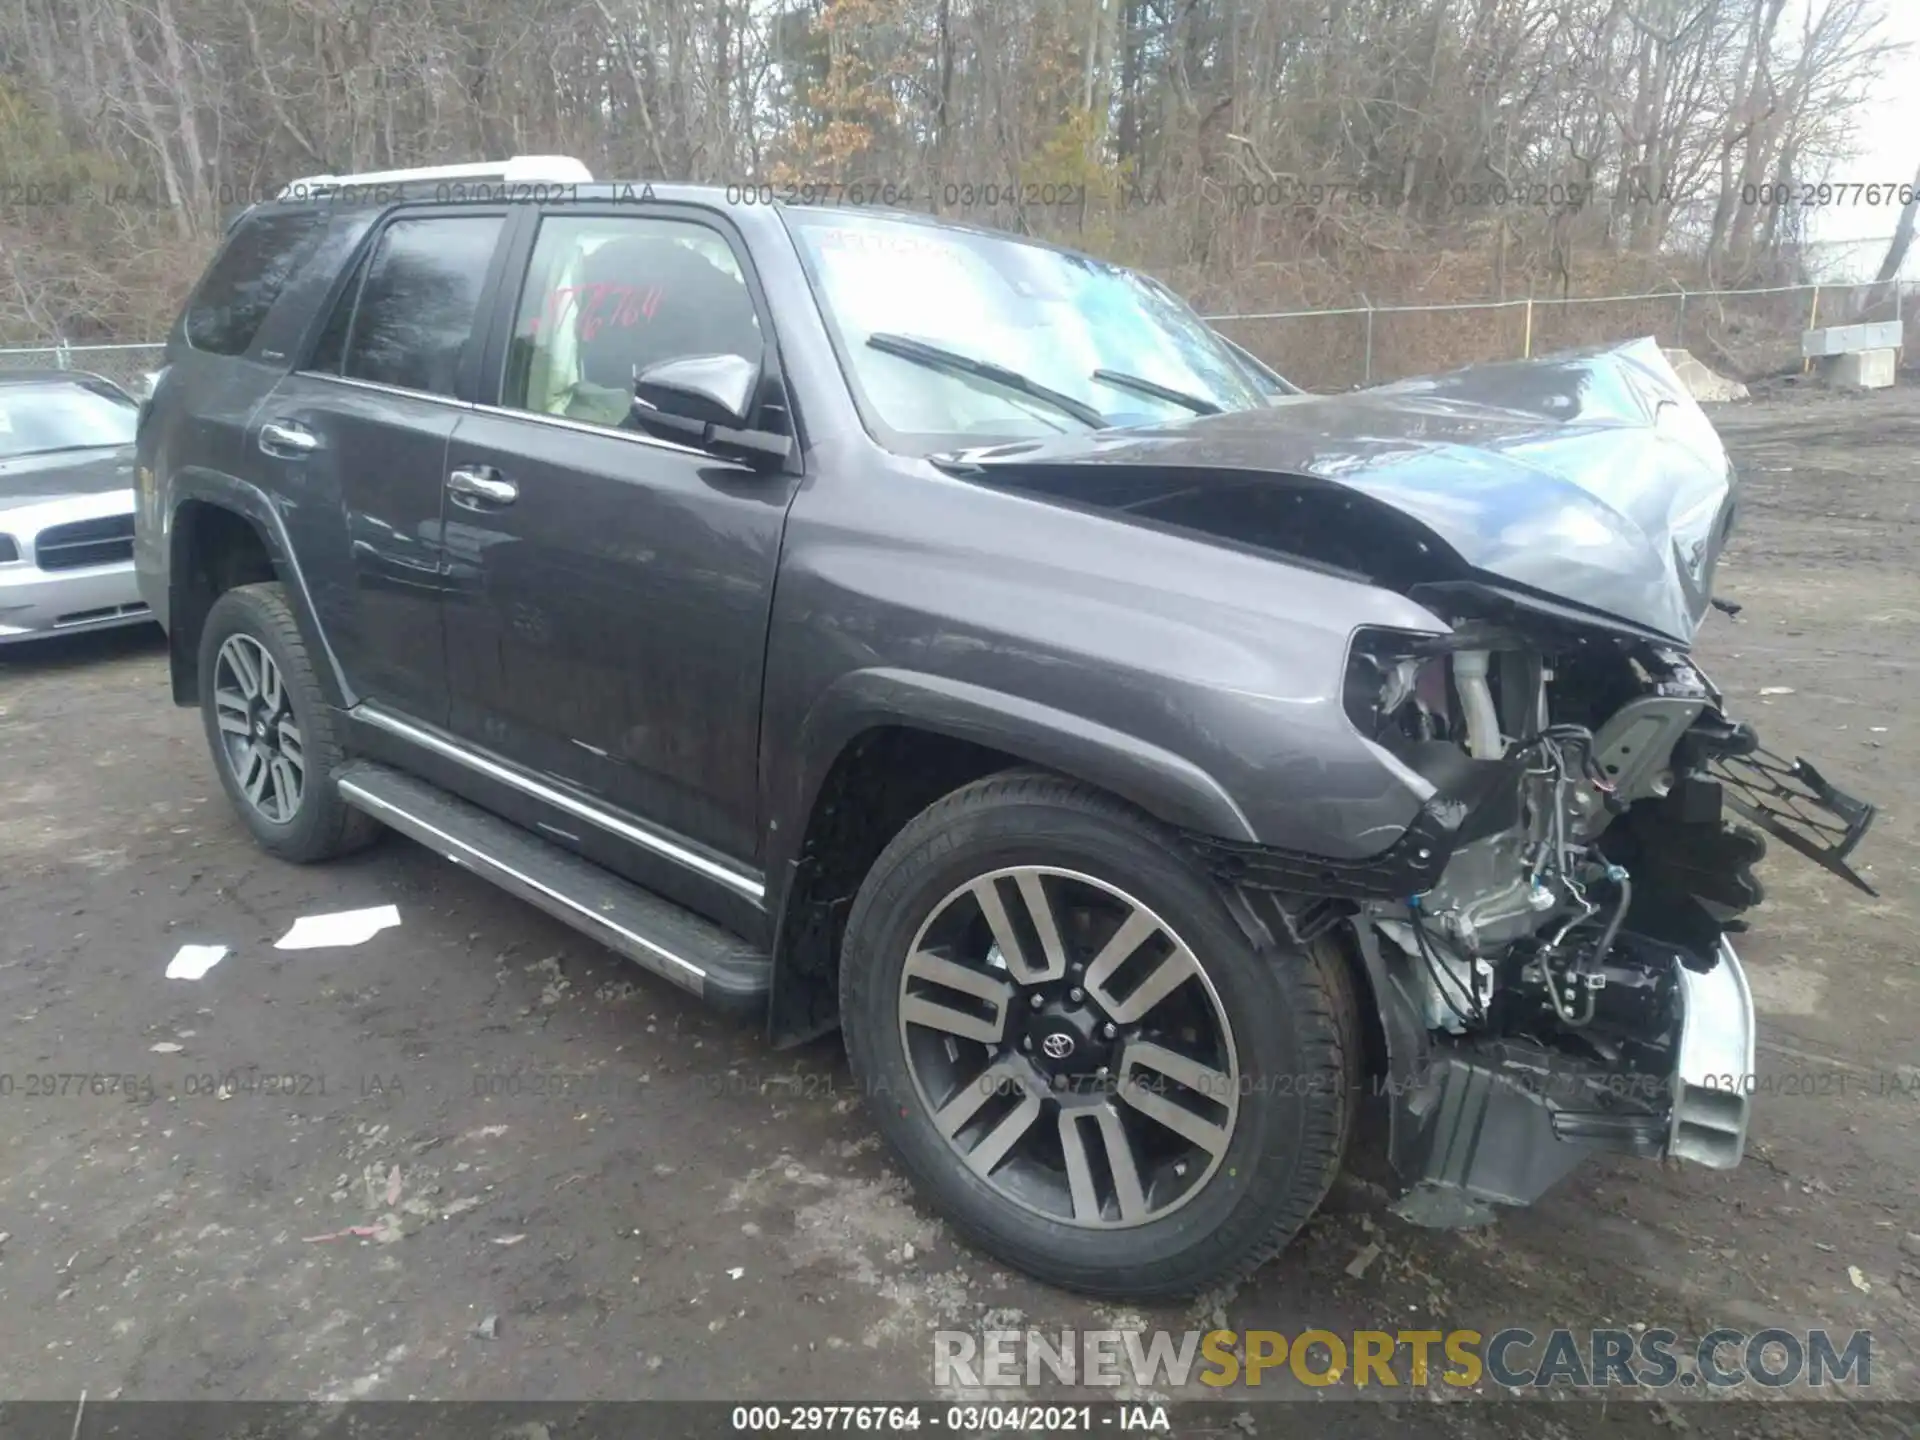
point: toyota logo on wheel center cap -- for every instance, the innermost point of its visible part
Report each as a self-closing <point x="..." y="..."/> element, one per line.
<point x="1058" y="1045"/>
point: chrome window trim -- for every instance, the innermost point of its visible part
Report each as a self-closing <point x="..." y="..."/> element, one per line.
<point x="734" y="880"/>
<point x="380" y="387"/>
<point x="652" y="442"/>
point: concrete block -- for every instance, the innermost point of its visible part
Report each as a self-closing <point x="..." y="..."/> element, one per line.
<point x="1701" y="382"/>
<point x="1862" y="370"/>
<point x="1849" y="339"/>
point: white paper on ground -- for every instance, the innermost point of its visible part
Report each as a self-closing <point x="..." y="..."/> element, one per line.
<point x="343" y="927"/>
<point x="193" y="961"/>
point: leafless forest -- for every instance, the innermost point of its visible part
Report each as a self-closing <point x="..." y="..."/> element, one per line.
<point x="1255" y="153"/>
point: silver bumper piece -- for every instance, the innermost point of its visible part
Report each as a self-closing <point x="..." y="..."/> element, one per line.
<point x="38" y="602"/>
<point x="1713" y="1071"/>
<point x="35" y="601"/>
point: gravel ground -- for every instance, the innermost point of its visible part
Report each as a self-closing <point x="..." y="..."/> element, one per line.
<point x="577" y="1184"/>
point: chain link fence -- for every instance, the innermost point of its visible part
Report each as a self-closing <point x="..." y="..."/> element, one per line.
<point x="1746" y="334"/>
<point x="125" y="365"/>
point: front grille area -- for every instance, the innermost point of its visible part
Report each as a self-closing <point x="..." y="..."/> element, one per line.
<point x="85" y="542"/>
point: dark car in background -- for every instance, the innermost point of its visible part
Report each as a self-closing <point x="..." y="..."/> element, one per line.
<point x="66" y="505"/>
<point x="871" y="622"/>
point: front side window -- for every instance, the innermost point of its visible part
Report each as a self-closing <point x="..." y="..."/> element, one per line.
<point x="959" y="337"/>
<point x="415" y="312"/>
<point x="63" y="415"/>
<point x="607" y="297"/>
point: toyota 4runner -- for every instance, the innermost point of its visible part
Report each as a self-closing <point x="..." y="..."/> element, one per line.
<point x="870" y="622"/>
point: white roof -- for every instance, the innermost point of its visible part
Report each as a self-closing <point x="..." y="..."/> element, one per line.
<point x="518" y="170"/>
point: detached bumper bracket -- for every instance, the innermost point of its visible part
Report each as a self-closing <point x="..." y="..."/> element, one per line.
<point x="1798" y="806"/>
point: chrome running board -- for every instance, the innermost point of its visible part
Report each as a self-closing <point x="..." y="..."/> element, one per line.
<point x="665" y="938"/>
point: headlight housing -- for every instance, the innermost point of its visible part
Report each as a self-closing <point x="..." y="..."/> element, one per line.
<point x="1396" y="684"/>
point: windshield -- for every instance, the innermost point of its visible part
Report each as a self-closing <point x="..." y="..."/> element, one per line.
<point x="1050" y="318"/>
<point x="64" y="415"/>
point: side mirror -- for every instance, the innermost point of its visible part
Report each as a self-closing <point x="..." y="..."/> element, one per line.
<point x="707" y="401"/>
<point x="713" y="389"/>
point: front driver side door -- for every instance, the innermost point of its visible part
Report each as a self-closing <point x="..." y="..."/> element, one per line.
<point x="609" y="591"/>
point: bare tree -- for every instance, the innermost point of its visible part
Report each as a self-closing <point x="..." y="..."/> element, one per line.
<point x="1896" y="257"/>
<point x="1247" y="150"/>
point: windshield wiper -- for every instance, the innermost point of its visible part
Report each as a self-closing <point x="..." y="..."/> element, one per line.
<point x="936" y="357"/>
<point x="1156" y="391"/>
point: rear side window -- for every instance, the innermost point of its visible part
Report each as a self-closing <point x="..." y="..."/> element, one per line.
<point x="246" y="278"/>
<point x="414" y="314"/>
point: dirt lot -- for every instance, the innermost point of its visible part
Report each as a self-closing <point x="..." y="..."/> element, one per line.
<point x="651" y="1203"/>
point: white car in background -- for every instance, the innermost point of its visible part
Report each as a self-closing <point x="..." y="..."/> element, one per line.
<point x="66" y="505"/>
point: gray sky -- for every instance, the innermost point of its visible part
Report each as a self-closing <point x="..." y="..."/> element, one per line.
<point x="1888" y="150"/>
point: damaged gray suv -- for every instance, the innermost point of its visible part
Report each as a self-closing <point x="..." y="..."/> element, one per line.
<point x="863" y="621"/>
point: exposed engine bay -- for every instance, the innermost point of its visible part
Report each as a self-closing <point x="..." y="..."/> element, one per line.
<point x="1548" y="939"/>
<point x="1569" y="971"/>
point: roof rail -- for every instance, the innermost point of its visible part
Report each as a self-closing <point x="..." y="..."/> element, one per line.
<point x="520" y="169"/>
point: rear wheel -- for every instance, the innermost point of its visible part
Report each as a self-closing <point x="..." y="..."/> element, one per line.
<point x="1075" y="1051"/>
<point x="271" y="730"/>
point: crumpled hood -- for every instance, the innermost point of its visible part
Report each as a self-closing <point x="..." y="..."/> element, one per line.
<point x="35" y="479"/>
<point x="1590" y="478"/>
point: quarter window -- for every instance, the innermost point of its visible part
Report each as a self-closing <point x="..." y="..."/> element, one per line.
<point x="247" y="277"/>
<point x="606" y="297"/>
<point x="416" y="310"/>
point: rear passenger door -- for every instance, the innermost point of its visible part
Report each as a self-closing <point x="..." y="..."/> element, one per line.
<point x="608" y="605"/>
<point x="358" y="435"/>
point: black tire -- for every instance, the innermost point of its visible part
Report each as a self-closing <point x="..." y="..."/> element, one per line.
<point x="1292" y="1014"/>
<point x="322" y="825"/>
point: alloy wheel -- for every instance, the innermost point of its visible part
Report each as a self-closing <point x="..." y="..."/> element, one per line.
<point x="1069" y="1047"/>
<point x="258" y="732"/>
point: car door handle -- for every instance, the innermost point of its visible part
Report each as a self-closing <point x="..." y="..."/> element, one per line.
<point x="478" y="486"/>
<point x="287" y="439"/>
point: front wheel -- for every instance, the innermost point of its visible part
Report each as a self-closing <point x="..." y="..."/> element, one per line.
<point x="1076" y="1052"/>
